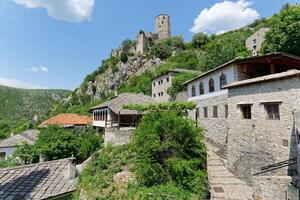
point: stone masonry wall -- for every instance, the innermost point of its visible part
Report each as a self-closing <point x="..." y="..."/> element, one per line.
<point x="117" y="136"/>
<point x="258" y="142"/>
<point x="215" y="128"/>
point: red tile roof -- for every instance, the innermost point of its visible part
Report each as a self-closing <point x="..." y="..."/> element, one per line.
<point x="68" y="120"/>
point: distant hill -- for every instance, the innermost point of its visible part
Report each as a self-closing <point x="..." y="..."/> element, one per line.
<point x="19" y="106"/>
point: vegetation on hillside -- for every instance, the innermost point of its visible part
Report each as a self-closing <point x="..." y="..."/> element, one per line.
<point x="284" y="35"/>
<point x="18" y="107"/>
<point x="167" y="158"/>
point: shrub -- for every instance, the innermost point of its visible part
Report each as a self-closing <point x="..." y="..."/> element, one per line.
<point x="27" y="153"/>
<point x="199" y="40"/>
<point x="170" y="148"/>
<point x="185" y="59"/>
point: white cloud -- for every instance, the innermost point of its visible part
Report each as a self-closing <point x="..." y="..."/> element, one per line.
<point x="225" y="16"/>
<point x="18" y="84"/>
<point x="38" y="69"/>
<point x="67" y="10"/>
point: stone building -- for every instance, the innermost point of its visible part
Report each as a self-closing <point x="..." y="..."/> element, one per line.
<point x="143" y="39"/>
<point x="9" y="145"/>
<point x="246" y="144"/>
<point x="261" y="130"/>
<point x="115" y="122"/>
<point x="163" y="26"/>
<point x="162" y="83"/>
<point x="254" y="42"/>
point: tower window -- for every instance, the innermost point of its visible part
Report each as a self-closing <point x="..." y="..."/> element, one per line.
<point x="223" y="80"/>
<point x="201" y="88"/>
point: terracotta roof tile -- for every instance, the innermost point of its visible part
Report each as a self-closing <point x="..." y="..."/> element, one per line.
<point x="68" y="120"/>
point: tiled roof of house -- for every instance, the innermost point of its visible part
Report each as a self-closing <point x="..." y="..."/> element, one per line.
<point x="116" y="104"/>
<point x="28" y="136"/>
<point x="68" y="120"/>
<point x="37" y="181"/>
<point x="271" y="77"/>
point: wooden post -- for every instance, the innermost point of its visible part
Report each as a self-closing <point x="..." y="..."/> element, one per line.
<point x="272" y="66"/>
<point x="119" y="119"/>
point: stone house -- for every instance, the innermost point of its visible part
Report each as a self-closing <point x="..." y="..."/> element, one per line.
<point x="162" y="83"/>
<point x="254" y="42"/>
<point x="221" y="109"/>
<point x="115" y="122"/>
<point x="261" y="130"/>
<point x="9" y="145"/>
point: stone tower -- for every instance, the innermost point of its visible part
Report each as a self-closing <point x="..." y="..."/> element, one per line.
<point x="163" y="26"/>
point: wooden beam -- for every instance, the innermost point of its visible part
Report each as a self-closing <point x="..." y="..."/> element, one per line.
<point x="272" y="67"/>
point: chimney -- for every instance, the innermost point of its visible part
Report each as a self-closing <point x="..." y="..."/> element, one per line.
<point x="71" y="169"/>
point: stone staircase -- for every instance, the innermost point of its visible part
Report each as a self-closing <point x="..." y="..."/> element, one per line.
<point x="223" y="184"/>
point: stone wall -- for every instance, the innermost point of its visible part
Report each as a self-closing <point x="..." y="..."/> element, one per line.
<point x="216" y="129"/>
<point x="117" y="136"/>
<point x="258" y="142"/>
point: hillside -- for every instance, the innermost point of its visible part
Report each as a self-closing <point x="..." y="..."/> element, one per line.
<point x="19" y="106"/>
<point x="127" y="71"/>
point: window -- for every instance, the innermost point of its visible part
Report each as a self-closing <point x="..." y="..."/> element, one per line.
<point x="197" y="113"/>
<point x="211" y="85"/>
<point x="205" y="112"/>
<point x="246" y="111"/>
<point x="201" y="88"/>
<point x="153" y="95"/>
<point x="168" y="79"/>
<point x="193" y="91"/>
<point x="254" y="41"/>
<point x="215" y="112"/>
<point x="226" y="111"/>
<point x="154" y="84"/>
<point x="254" y="47"/>
<point x="223" y="80"/>
<point x="162" y="94"/>
<point x="2" y="155"/>
<point x="272" y="111"/>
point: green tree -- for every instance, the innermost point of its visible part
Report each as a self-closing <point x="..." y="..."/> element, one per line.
<point x="171" y="149"/>
<point x="185" y="59"/>
<point x="284" y="35"/>
<point x="27" y="153"/>
<point x="199" y="40"/>
<point x="177" y="82"/>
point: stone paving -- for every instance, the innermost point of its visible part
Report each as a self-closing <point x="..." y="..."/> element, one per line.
<point x="224" y="185"/>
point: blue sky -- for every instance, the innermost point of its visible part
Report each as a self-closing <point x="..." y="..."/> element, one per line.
<point x="56" y="43"/>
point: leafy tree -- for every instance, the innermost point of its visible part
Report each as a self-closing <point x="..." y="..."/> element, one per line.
<point x="27" y="153"/>
<point x="9" y="162"/>
<point x="161" y="50"/>
<point x="57" y="143"/>
<point x="177" y="82"/>
<point x="284" y="35"/>
<point x="199" y="40"/>
<point x="171" y="149"/>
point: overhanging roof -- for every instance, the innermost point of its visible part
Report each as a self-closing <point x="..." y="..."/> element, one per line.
<point x="272" y="57"/>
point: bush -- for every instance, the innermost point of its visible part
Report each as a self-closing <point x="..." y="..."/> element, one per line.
<point x="185" y="59"/>
<point x="57" y="143"/>
<point x="27" y="153"/>
<point x="171" y="149"/>
<point x="177" y="82"/>
<point x="9" y="162"/>
<point x="199" y="40"/>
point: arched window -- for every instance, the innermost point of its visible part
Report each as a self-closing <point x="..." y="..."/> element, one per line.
<point x="201" y="88"/>
<point x="211" y="85"/>
<point x="223" y="80"/>
<point x="193" y="91"/>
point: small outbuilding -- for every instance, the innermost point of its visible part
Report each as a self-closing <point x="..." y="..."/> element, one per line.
<point x="112" y="114"/>
<point x="9" y="145"/>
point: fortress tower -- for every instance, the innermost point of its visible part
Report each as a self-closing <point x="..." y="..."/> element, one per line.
<point x="163" y="26"/>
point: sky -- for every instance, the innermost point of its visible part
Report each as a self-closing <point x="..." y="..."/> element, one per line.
<point x="56" y="43"/>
